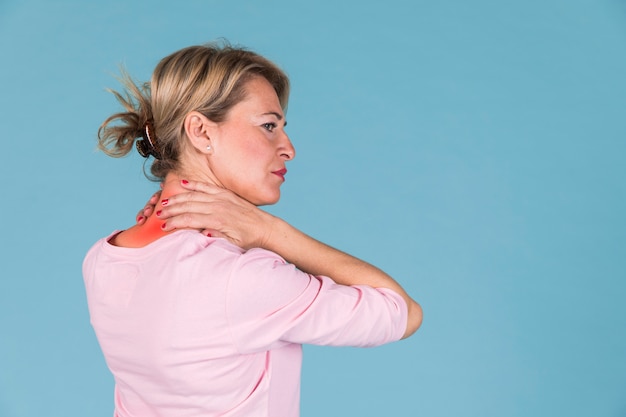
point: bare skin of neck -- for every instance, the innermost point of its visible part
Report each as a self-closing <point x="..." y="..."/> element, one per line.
<point x="141" y="235"/>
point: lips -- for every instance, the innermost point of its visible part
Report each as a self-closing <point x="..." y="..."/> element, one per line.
<point x="281" y="173"/>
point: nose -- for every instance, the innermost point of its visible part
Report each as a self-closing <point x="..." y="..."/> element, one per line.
<point x="287" y="150"/>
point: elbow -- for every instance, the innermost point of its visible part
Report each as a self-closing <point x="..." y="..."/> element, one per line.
<point x="414" y="319"/>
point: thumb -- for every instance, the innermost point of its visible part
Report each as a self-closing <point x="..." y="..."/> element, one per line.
<point x="213" y="233"/>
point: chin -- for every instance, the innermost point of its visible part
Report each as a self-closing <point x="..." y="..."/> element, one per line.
<point x="268" y="203"/>
<point x="266" y="200"/>
<point x="258" y="196"/>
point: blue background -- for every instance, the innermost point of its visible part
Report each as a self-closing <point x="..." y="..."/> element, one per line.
<point x="475" y="150"/>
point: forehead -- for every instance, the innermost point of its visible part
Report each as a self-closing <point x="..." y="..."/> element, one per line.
<point x="260" y="97"/>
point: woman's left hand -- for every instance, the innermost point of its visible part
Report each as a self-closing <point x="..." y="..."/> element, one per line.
<point x="217" y="212"/>
<point x="148" y="209"/>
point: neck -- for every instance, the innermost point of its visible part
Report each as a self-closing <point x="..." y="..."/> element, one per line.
<point x="171" y="187"/>
<point x="148" y="232"/>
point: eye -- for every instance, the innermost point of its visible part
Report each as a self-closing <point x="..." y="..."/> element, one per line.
<point x="269" y="126"/>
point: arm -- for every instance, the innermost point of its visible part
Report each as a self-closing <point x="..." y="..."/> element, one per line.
<point x="222" y="213"/>
<point x="318" y="258"/>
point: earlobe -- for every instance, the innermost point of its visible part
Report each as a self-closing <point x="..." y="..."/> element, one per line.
<point x="197" y="129"/>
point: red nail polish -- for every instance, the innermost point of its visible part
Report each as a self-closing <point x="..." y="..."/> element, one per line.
<point x="158" y="213"/>
<point x="209" y="235"/>
<point x="164" y="202"/>
<point x="163" y="226"/>
<point x="185" y="182"/>
<point x="140" y="218"/>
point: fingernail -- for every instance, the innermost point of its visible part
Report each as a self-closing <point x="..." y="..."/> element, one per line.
<point x="163" y="226"/>
<point x="140" y="218"/>
<point x="158" y="213"/>
<point x="164" y="202"/>
<point x="209" y="235"/>
<point x="184" y="182"/>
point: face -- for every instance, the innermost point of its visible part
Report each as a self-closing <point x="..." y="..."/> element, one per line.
<point x="250" y="148"/>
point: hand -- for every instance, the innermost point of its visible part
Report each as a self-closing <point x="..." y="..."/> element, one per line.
<point x="147" y="211"/>
<point x="219" y="213"/>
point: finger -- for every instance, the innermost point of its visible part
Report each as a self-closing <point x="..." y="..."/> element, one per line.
<point x="213" y="233"/>
<point x="200" y="186"/>
<point x="192" y="221"/>
<point x="216" y="234"/>
<point x="148" y="210"/>
<point x="140" y="219"/>
<point x="193" y="196"/>
<point x="175" y="208"/>
<point x="200" y="191"/>
<point x="155" y="198"/>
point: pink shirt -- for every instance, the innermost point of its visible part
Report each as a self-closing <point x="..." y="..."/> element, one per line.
<point x="195" y="326"/>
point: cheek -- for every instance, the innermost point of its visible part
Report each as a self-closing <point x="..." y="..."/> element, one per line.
<point x="244" y="156"/>
<point x="255" y="155"/>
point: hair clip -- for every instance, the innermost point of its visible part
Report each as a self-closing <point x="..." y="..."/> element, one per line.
<point x="147" y="146"/>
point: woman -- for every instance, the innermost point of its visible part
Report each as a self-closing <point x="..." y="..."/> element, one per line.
<point x="208" y="324"/>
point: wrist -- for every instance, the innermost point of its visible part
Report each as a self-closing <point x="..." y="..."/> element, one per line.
<point x="270" y="226"/>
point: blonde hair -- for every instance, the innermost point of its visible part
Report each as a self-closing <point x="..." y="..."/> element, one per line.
<point x="207" y="78"/>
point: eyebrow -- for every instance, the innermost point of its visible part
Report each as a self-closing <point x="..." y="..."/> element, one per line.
<point x="278" y="116"/>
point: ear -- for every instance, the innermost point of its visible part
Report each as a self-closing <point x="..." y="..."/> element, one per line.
<point x="198" y="129"/>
